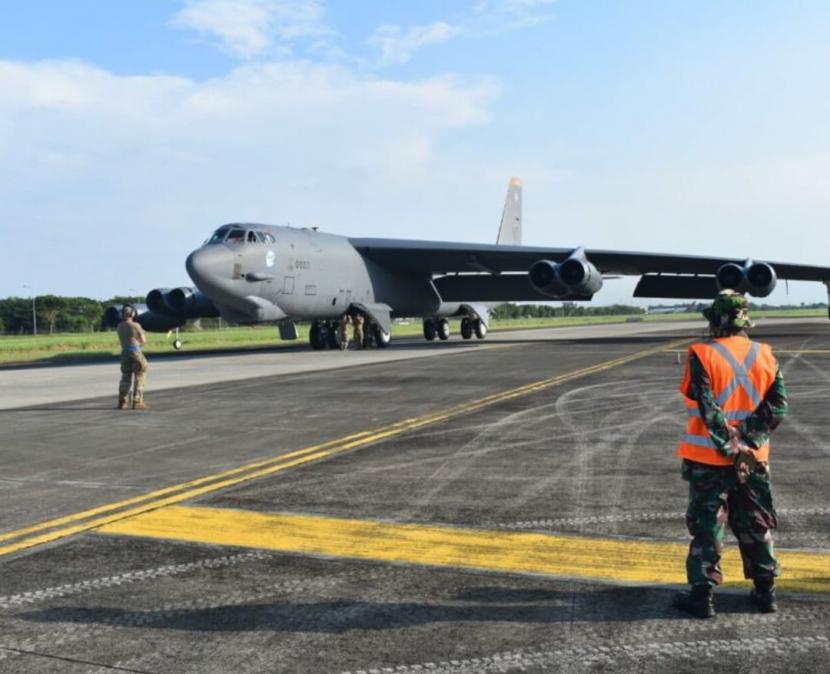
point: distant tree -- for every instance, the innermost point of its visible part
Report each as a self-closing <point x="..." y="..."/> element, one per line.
<point x="49" y="307"/>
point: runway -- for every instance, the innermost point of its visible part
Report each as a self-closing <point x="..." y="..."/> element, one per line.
<point x="511" y="505"/>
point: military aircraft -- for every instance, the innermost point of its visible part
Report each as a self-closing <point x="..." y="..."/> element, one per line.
<point x="253" y="273"/>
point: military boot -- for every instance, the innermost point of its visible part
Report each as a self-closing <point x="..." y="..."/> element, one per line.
<point x="140" y="405"/>
<point x="699" y="602"/>
<point x="122" y="403"/>
<point x="763" y="597"/>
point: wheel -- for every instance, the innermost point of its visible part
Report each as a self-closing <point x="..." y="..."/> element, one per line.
<point x="177" y="344"/>
<point x="382" y="338"/>
<point x="466" y="328"/>
<point x="429" y="330"/>
<point x="318" y="336"/>
<point x="444" y="329"/>
<point x="480" y="328"/>
<point x="332" y="340"/>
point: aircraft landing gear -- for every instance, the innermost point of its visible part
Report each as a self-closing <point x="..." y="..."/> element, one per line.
<point x="443" y="329"/>
<point x="480" y="328"/>
<point x="466" y="328"/>
<point x="429" y="330"/>
<point x="319" y="335"/>
<point x="436" y="327"/>
<point x="381" y="338"/>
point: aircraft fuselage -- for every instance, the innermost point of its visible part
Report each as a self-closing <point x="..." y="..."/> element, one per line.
<point x="256" y="273"/>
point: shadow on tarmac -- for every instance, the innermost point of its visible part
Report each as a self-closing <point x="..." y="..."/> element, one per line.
<point x="495" y="604"/>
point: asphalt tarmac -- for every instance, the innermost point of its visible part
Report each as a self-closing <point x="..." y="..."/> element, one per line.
<point x="511" y="506"/>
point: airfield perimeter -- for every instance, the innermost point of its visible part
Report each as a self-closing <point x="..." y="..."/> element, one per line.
<point x="512" y="505"/>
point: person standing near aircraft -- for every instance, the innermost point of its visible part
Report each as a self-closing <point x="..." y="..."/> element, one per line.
<point x="133" y="363"/>
<point x="735" y="397"/>
<point x="358" y="321"/>
<point x="343" y="331"/>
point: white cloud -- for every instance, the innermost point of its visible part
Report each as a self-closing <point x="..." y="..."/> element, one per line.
<point x="397" y="45"/>
<point x="119" y="177"/>
<point x="247" y="28"/>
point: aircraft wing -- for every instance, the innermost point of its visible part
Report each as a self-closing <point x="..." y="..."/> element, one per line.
<point x="438" y="257"/>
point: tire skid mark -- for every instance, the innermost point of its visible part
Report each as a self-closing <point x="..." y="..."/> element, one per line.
<point x="76" y="625"/>
<point x="636" y="517"/>
<point x="307" y="615"/>
<point x="597" y="656"/>
<point x="58" y="591"/>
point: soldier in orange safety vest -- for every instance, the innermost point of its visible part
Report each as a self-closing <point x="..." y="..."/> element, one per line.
<point x="735" y="397"/>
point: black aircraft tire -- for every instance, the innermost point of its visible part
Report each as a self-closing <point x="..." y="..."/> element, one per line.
<point x="317" y="337"/>
<point x="480" y="328"/>
<point x="444" y="329"/>
<point x="332" y="340"/>
<point x="466" y="328"/>
<point x="429" y="330"/>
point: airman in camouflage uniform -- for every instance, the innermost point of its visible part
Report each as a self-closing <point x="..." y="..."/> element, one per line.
<point x="343" y="331"/>
<point x="359" y="335"/>
<point x="739" y="494"/>
<point x="133" y="363"/>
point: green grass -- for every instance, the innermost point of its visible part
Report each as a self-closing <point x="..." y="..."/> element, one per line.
<point x="72" y="346"/>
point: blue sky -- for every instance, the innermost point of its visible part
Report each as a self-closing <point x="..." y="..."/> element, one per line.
<point x="130" y="130"/>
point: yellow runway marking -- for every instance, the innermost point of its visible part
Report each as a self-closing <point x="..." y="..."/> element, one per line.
<point x="627" y="561"/>
<point x="61" y="527"/>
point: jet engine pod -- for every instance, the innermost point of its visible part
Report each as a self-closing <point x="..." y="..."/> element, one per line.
<point x="155" y="322"/>
<point x="761" y="279"/>
<point x="186" y="302"/>
<point x="157" y="301"/>
<point x="756" y="278"/>
<point x="111" y="317"/>
<point x="543" y="277"/>
<point x="574" y="277"/>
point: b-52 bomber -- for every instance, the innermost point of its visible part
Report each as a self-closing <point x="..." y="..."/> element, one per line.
<point x="252" y="273"/>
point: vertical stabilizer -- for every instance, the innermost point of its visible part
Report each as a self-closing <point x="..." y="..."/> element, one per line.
<point x="510" y="230"/>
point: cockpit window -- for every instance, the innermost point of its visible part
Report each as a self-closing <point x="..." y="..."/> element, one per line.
<point x="269" y="238"/>
<point x="219" y="235"/>
<point x="255" y="237"/>
<point x="236" y="236"/>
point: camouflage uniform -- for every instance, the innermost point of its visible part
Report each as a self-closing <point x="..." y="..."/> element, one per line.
<point x="358" y="331"/>
<point x="716" y="496"/>
<point x="343" y="331"/>
<point x="133" y="363"/>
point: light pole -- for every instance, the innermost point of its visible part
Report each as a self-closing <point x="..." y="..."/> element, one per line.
<point x="34" y="312"/>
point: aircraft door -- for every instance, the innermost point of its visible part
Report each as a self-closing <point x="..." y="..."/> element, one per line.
<point x="288" y="285"/>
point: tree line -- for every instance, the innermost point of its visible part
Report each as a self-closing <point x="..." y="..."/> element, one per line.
<point x="55" y="313"/>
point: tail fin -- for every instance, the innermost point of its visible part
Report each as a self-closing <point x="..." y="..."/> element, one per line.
<point x="510" y="230"/>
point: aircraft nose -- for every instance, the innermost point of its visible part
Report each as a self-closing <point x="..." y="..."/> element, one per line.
<point x="209" y="262"/>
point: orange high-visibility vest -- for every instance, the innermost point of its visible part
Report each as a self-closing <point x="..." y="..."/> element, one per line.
<point x="742" y="372"/>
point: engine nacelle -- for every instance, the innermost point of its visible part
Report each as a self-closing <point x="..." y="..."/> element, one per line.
<point x="574" y="277"/>
<point x="157" y="301"/>
<point x="186" y="302"/>
<point x="181" y="303"/>
<point x="756" y="278"/>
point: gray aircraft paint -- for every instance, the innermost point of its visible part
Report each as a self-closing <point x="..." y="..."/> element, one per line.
<point x="309" y="275"/>
<point x="270" y="273"/>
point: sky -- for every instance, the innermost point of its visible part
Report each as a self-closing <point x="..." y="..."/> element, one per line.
<point x="129" y="131"/>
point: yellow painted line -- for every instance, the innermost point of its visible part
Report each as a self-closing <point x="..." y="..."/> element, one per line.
<point x="603" y="559"/>
<point x="61" y="527"/>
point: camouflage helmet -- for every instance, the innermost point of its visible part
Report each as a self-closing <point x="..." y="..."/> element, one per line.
<point x="728" y="312"/>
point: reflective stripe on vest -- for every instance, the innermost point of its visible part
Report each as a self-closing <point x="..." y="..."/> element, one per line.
<point x="738" y="388"/>
<point x="741" y="374"/>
